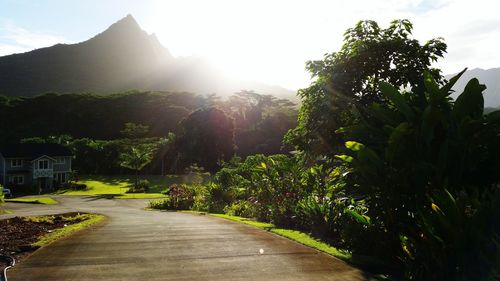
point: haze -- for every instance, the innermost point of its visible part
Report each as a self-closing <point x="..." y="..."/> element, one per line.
<point x="257" y="40"/>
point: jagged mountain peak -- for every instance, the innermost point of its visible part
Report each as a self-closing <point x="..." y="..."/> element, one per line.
<point x="126" y="36"/>
<point x="126" y="28"/>
<point x="128" y="22"/>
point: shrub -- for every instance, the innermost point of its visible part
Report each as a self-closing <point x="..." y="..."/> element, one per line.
<point x="136" y="190"/>
<point x="201" y="199"/>
<point x="180" y="197"/>
<point x="241" y="209"/>
<point x="74" y="186"/>
<point x="274" y="187"/>
<point x="144" y="184"/>
<point x="162" y="204"/>
<point x="142" y="187"/>
<point x="315" y="216"/>
<point x="456" y="238"/>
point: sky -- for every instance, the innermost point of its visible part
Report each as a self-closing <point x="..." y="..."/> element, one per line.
<point x="258" y="40"/>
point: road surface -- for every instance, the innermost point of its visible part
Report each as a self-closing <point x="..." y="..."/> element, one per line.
<point x="134" y="244"/>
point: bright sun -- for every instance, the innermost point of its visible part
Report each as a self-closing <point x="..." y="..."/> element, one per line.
<point x="249" y="43"/>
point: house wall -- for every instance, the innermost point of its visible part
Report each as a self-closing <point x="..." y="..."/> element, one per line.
<point x="65" y="167"/>
<point x="28" y="179"/>
<point x="26" y="165"/>
<point x="43" y="173"/>
<point x="23" y="170"/>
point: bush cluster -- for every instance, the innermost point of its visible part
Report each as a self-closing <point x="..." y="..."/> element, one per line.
<point x="178" y="197"/>
<point x="74" y="186"/>
<point x="142" y="187"/>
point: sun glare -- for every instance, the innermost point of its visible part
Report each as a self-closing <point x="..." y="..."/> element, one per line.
<point x="251" y="42"/>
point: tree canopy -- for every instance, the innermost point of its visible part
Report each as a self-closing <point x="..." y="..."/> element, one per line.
<point x="208" y="138"/>
<point x="99" y="128"/>
<point x="369" y="54"/>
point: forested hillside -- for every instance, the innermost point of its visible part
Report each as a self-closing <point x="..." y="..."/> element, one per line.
<point x="255" y="124"/>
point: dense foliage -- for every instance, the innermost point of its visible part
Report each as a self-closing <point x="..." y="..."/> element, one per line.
<point x="369" y="54"/>
<point x="388" y="166"/>
<point x="430" y="179"/>
<point x="208" y="138"/>
<point x="93" y="116"/>
<point x="99" y="128"/>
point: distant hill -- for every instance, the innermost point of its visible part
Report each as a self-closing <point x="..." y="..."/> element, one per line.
<point x="121" y="58"/>
<point x="489" y="77"/>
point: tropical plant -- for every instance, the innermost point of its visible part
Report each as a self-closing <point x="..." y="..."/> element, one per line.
<point x="270" y="184"/>
<point x="426" y="166"/>
<point x="241" y="208"/>
<point x="137" y="158"/>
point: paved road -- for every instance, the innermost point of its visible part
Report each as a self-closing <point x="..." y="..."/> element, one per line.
<point x="133" y="244"/>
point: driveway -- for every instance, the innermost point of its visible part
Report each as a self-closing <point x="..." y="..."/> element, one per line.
<point x="133" y="244"/>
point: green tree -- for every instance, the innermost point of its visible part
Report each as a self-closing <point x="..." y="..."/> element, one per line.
<point x="164" y="145"/>
<point x="137" y="158"/>
<point x="208" y="138"/>
<point x="369" y="54"/>
<point x="135" y="131"/>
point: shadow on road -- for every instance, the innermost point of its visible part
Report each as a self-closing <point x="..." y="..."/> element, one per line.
<point x="101" y="196"/>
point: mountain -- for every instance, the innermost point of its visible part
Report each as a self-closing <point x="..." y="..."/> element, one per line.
<point x="123" y="57"/>
<point x="489" y="77"/>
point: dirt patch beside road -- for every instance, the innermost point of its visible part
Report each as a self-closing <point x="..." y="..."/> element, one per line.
<point x="18" y="234"/>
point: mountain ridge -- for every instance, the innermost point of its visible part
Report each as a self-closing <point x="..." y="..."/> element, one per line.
<point x="123" y="57"/>
<point x="490" y="77"/>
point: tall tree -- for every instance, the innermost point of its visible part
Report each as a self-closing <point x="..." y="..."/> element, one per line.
<point x="137" y="158"/>
<point x="369" y="54"/>
<point x="208" y="138"/>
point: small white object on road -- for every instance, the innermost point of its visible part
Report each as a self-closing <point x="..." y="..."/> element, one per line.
<point x="261" y="251"/>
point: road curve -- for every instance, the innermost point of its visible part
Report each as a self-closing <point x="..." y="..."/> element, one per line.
<point x="133" y="244"/>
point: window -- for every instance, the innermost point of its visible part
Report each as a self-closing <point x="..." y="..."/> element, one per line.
<point x="60" y="160"/>
<point x="60" y="177"/>
<point x="43" y="164"/>
<point x="16" y="180"/>
<point x="16" y="163"/>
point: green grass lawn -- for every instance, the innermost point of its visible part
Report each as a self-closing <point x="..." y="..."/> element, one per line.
<point x="116" y="186"/>
<point x="34" y="200"/>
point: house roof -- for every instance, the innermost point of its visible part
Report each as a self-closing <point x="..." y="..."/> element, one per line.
<point x="44" y="156"/>
<point x="34" y="150"/>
